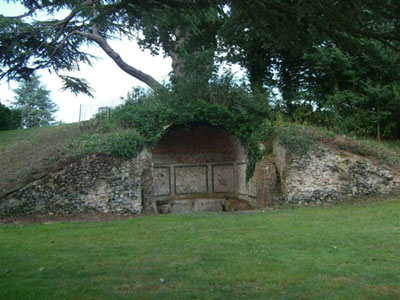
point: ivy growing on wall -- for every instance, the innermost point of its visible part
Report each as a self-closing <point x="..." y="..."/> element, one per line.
<point x="146" y="116"/>
<point x="223" y="104"/>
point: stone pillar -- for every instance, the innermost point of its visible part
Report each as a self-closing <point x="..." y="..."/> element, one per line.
<point x="146" y="182"/>
<point x="268" y="185"/>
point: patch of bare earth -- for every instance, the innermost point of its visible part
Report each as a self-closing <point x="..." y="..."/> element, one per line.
<point x="47" y="219"/>
<point x="387" y="290"/>
<point x="342" y="279"/>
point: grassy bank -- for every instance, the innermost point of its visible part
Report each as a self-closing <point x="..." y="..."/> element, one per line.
<point x="26" y="154"/>
<point x="339" y="252"/>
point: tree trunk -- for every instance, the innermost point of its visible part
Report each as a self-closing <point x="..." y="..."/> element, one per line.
<point x="378" y="125"/>
<point x="335" y="91"/>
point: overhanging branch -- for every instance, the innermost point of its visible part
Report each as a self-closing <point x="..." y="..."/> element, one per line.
<point x="99" y="40"/>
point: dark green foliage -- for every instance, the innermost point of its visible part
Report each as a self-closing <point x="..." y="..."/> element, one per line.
<point x="329" y="71"/>
<point x="9" y="118"/>
<point x="223" y="104"/>
<point x="296" y="138"/>
<point x="321" y="62"/>
<point x="188" y="34"/>
<point x="358" y="87"/>
<point x="184" y="30"/>
<point x="122" y="144"/>
<point x="126" y="144"/>
<point x="76" y="85"/>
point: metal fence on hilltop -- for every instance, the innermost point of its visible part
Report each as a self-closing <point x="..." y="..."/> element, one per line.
<point x="88" y="111"/>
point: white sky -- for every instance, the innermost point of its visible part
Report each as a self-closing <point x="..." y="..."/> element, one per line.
<point x="107" y="80"/>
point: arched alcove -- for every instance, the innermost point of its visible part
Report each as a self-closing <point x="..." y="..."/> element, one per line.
<point x="197" y="166"/>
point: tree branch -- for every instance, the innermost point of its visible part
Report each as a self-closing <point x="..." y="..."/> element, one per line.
<point x="99" y="40"/>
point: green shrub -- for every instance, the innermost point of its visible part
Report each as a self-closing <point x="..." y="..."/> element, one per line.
<point x="122" y="144"/>
<point x="126" y="144"/>
<point x="296" y="138"/>
<point x="224" y="104"/>
<point x="10" y="118"/>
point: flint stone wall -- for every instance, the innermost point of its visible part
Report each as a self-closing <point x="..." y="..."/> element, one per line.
<point x="105" y="184"/>
<point x="326" y="175"/>
<point x="92" y="184"/>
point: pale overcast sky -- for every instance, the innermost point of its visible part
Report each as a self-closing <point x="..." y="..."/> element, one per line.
<point x="107" y="80"/>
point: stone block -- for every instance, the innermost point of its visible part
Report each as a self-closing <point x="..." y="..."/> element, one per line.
<point x="241" y="170"/>
<point x="223" y="179"/>
<point x="191" y="179"/>
<point x="236" y="204"/>
<point x="178" y="206"/>
<point x="162" y="181"/>
<point x="207" y="205"/>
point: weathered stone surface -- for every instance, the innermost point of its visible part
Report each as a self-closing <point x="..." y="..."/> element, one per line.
<point x="236" y="204"/>
<point x="145" y="167"/>
<point x="325" y="175"/>
<point x="96" y="183"/>
<point x="223" y="178"/>
<point x="241" y="181"/>
<point x="103" y="184"/>
<point x="162" y="181"/>
<point x="207" y="205"/>
<point x="191" y="179"/>
<point x="199" y="161"/>
<point x="267" y="178"/>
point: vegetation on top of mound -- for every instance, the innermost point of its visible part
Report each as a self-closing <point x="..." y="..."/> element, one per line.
<point x="27" y="154"/>
<point x="145" y="117"/>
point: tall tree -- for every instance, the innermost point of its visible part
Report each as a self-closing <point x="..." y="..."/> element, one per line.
<point x="33" y="100"/>
<point x="28" y="43"/>
<point x="359" y="84"/>
<point x="188" y="35"/>
<point x="268" y="39"/>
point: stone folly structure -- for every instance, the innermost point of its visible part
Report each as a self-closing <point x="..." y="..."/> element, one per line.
<point x="199" y="168"/>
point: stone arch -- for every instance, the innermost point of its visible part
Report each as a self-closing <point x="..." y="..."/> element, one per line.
<point x="199" y="167"/>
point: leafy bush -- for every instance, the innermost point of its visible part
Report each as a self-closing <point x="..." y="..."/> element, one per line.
<point x="122" y="144"/>
<point x="296" y="138"/>
<point x="125" y="144"/>
<point x="9" y="118"/>
<point x="224" y="104"/>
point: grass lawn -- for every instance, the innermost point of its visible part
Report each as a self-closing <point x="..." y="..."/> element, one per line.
<point x="28" y="153"/>
<point x="337" y="252"/>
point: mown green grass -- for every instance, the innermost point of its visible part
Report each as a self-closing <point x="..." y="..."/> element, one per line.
<point x="339" y="252"/>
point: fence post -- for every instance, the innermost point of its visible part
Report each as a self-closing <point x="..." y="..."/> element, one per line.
<point x="80" y="111"/>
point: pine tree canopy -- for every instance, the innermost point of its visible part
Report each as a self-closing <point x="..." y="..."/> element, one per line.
<point x="34" y="103"/>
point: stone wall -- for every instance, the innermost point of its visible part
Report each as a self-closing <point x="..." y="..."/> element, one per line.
<point x="327" y="175"/>
<point x="96" y="183"/>
<point x="105" y="184"/>
<point x="323" y="175"/>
